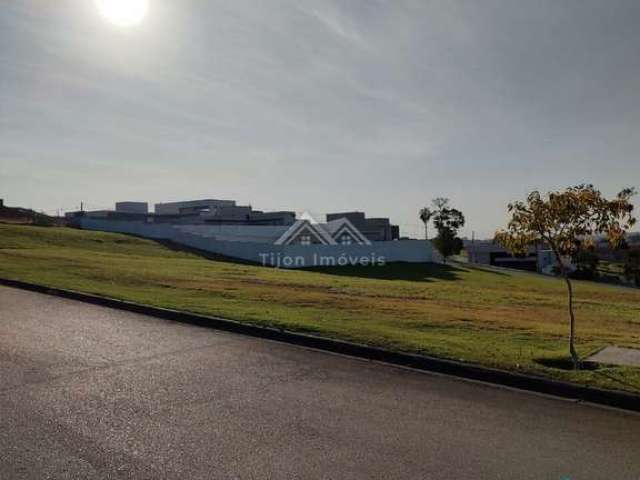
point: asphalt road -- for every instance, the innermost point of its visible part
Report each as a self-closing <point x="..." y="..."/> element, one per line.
<point x="90" y="392"/>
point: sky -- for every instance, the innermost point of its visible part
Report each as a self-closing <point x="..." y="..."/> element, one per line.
<point x="321" y="106"/>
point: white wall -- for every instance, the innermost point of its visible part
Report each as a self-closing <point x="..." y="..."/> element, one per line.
<point x="241" y="233"/>
<point x="286" y="256"/>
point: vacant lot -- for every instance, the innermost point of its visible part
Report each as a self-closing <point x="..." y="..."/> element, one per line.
<point x="502" y="319"/>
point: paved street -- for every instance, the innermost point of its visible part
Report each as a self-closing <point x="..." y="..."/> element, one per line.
<point x="90" y="392"/>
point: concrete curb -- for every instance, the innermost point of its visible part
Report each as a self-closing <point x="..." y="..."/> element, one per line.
<point x="617" y="399"/>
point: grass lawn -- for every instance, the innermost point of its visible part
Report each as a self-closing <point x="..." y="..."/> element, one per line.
<point x="496" y="318"/>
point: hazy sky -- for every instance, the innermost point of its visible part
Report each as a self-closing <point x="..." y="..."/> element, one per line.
<point x="319" y="105"/>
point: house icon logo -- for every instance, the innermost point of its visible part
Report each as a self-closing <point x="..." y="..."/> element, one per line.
<point x="306" y="231"/>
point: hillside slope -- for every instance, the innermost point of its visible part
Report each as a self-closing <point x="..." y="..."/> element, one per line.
<point x="17" y="215"/>
<point x="502" y="319"/>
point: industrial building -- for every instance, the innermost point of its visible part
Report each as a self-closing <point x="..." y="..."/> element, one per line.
<point x="193" y="206"/>
<point x="488" y="252"/>
<point x="228" y="221"/>
<point x="228" y="213"/>
<point x="268" y="238"/>
<point x="219" y="212"/>
<point x="375" y="229"/>
<point x="192" y="212"/>
<point x="132" y="207"/>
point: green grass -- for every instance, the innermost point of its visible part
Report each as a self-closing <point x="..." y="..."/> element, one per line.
<point x="496" y="318"/>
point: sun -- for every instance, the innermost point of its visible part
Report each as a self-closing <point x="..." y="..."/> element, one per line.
<point x="123" y="13"/>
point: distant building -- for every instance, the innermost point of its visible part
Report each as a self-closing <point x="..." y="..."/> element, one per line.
<point x="489" y="253"/>
<point x="272" y="218"/>
<point x="336" y="232"/>
<point x="191" y="206"/>
<point x="375" y="229"/>
<point x="132" y="207"/>
<point x="268" y="238"/>
<point x="218" y="212"/>
<point x="100" y="213"/>
<point x="193" y="212"/>
<point x="226" y="219"/>
<point x="605" y="252"/>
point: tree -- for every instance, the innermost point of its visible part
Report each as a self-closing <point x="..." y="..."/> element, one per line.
<point x="632" y="266"/>
<point x="447" y="221"/>
<point x="447" y="243"/>
<point x="586" y="262"/>
<point x="563" y="220"/>
<point x="425" y="215"/>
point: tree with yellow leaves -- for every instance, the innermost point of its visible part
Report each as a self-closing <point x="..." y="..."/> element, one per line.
<point x="564" y="220"/>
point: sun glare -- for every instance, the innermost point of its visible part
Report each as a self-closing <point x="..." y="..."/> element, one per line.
<point x="123" y="13"/>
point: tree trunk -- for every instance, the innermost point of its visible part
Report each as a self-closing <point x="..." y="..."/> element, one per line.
<point x="572" y="321"/>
